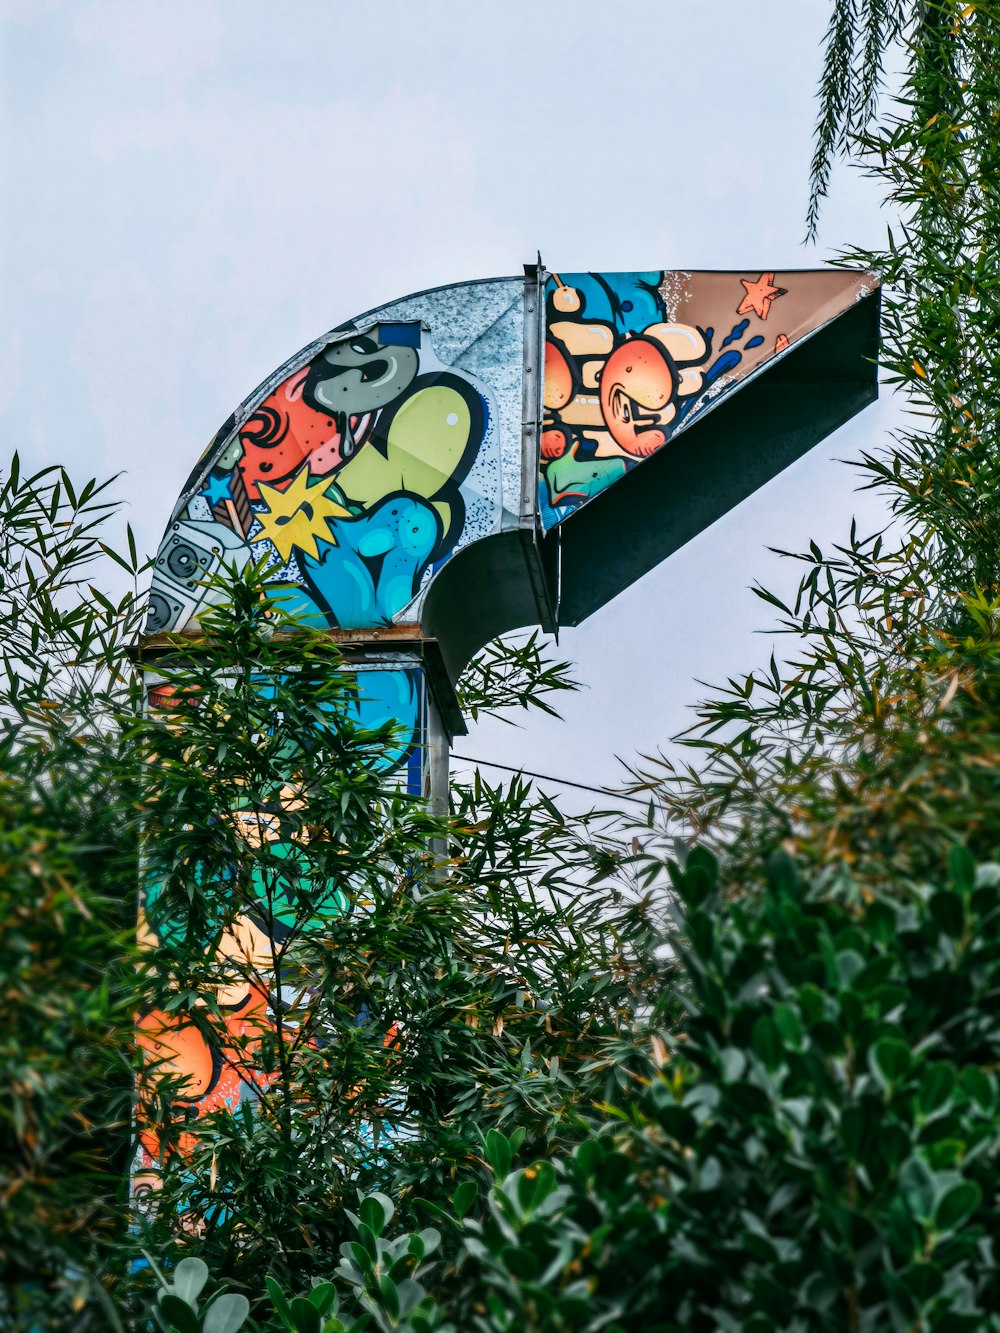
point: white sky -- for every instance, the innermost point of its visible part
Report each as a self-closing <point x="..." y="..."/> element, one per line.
<point x="190" y="190"/>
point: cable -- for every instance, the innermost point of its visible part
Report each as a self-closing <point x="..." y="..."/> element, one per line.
<point x="547" y="777"/>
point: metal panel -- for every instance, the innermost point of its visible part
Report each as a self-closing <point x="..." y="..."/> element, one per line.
<point x="722" y="457"/>
<point x="633" y="359"/>
<point x="303" y="437"/>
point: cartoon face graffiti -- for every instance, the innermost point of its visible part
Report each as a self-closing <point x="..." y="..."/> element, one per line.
<point x="610" y="391"/>
<point x="629" y="358"/>
<point x="637" y="383"/>
<point x="357" y="376"/>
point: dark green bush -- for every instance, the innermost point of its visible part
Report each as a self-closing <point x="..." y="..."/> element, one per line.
<point x="818" y="1152"/>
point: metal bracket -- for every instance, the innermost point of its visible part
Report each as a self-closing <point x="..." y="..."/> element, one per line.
<point x="544" y="584"/>
<point x="357" y="647"/>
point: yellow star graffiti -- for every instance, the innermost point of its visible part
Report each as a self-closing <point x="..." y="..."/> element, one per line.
<point x="296" y="516"/>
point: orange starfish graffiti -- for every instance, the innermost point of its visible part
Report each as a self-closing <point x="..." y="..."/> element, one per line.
<point x="759" y="296"/>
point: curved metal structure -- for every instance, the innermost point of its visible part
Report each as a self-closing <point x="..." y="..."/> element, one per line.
<point x="515" y="451"/>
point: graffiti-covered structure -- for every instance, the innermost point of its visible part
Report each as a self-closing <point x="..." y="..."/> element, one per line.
<point x="500" y="453"/>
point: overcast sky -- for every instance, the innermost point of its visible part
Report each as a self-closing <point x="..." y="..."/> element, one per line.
<point x="190" y="190"/>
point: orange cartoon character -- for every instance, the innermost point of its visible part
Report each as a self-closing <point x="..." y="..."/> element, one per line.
<point x="636" y="390"/>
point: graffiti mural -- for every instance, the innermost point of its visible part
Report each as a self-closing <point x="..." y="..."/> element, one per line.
<point x="632" y="358"/>
<point x="215" y="1067"/>
<point x="367" y="462"/>
<point x="350" y="479"/>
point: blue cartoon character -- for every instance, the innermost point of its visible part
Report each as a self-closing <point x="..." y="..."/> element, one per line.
<point x="372" y="565"/>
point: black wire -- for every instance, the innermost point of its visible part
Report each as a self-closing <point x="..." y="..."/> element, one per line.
<point x="547" y="777"/>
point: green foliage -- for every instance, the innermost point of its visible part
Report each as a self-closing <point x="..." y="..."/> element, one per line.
<point x="858" y="38"/>
<point x="67" y="864"/>
<point x="833" y="1140"/>
<point x="819" y="1151"/>
<point x="439" y="999"/>
<point x="872" y="743"/>
<point x="507" y="990"/>
<point x="64" y="1034"/>
<point x="177" y="1309"/>
<point x="511" y="673"/>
